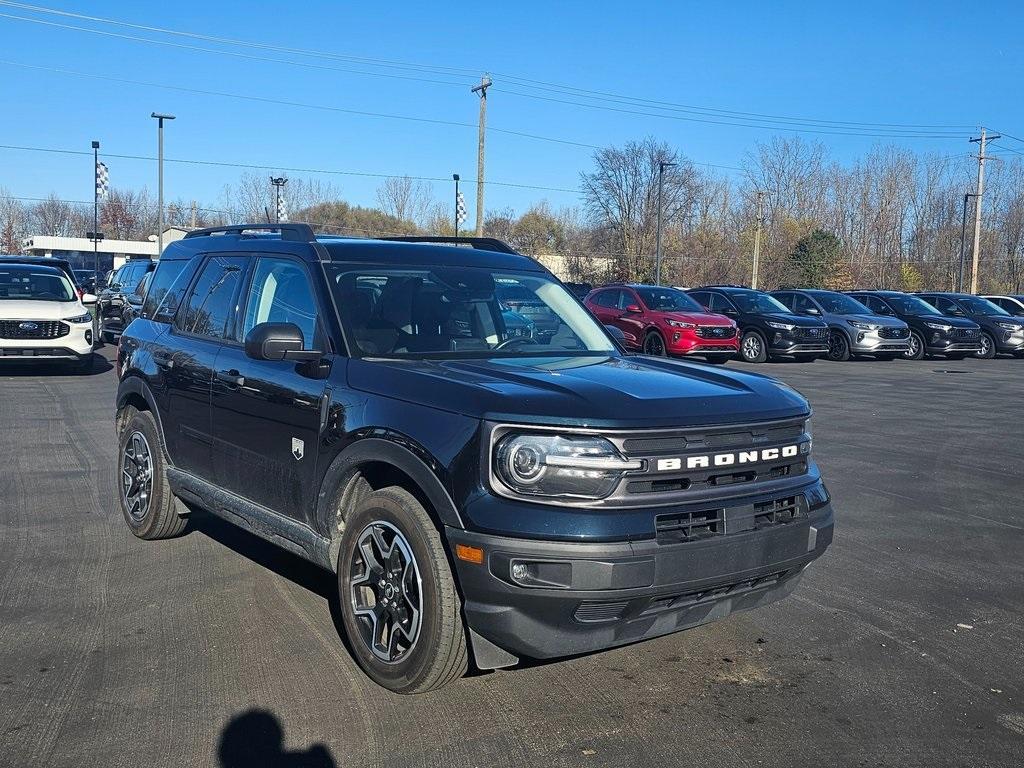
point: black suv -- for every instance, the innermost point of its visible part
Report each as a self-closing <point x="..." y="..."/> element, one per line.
<point x="768" y="329"/>
<point x="479" y="495"/>
<point x="120" y="302"/>
<point x="1001" y="332"/>
<point x="931" y="332"/>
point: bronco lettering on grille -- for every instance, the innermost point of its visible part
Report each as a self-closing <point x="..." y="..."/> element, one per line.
<point x="726" y="459"/>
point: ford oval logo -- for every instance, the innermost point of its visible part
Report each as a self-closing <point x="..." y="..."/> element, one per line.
<point x="28" y="326"/>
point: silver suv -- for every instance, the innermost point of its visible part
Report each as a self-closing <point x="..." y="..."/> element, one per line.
<point x="854" y="329"/>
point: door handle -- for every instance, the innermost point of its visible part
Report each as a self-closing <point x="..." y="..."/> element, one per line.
<point x="163" y="360"/>
<point x="231" y="377"/>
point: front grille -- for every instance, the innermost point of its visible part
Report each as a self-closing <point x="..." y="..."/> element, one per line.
<point x="716" y="331"/>
<point x="894" y="333"/>
<point x="713" y="594"/>
<point x="779" y="511"/>
<point x="689" y="526"/>
<point x="964" y="333"/>
<point x="811" y="333"/>
<point x="33" y="329"/>
<point x="591" y="611"/>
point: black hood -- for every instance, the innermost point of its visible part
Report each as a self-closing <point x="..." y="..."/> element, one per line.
<point x="801" y="321"/>
<point x="583" y="391"/>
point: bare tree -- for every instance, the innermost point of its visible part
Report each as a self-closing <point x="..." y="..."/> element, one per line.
<point x="405" y="198"/>
<point x="13" y="220"/>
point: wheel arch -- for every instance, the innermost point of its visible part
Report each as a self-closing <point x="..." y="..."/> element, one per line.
<point x="134" y="391"/>
<point x="372" y="463"/>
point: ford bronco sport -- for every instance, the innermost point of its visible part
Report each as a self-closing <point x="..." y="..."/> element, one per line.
<point x="481" y="496"/>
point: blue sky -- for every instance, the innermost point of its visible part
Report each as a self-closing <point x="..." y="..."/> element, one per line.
<point x="927" y="63"/>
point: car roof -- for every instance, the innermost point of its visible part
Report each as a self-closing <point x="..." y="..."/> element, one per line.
<point x="728" y="289"/>
<point x="43" y="260"/>
<point x="326" y="248"/>
<point x="879" y="292"/>
<point x="47" y="268"/>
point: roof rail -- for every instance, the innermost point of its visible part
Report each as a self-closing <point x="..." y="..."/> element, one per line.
<point x="301" y="233"/>
<point x="479" y="243"/>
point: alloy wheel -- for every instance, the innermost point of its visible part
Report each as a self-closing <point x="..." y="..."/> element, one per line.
<point x="752" y="347"/>
<point x="654" y="345"/>
<point x="915" y="347"/>
<point x="137" y="476"/>
<point x="386" y="592"/>
<point x="837" y="346"/>
<point x="986" y="346"/>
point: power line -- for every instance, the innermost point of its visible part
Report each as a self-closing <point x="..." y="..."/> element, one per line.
<point x="523" y="82"/>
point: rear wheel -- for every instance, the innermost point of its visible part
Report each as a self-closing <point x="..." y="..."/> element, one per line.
<point x="753" y="348"/>
<point x="916" y="349"/>
<point x="654" y="344"/>
<point x="401" y="612"/>
<point x="146" y="499"/>
<point x="838" y="347"/>
<point x="988" y="346"/>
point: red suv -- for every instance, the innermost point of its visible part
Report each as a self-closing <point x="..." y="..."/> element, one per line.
<point x="664" y="321"/>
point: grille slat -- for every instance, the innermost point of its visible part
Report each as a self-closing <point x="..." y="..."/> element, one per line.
<point x="33" y="329"/>
<point x="716" y="331"/>
<point x="894" y="333"/>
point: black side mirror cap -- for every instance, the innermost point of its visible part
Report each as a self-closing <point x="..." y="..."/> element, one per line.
<point x="278" y="341"/>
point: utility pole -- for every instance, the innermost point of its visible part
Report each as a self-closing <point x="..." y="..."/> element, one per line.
<point x="455" y="178"/>
<point x="192" y="216"/>
<point x="963" y="238"/>
<point x="485" y="83"/>
<point x="977" y="205"/>
<point x="757" y="238"/>
<point x="95" y="217"/>
<point x="657" y="248"/>
<point x="160" y="180"/>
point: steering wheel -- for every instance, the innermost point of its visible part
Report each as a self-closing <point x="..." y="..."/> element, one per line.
<point x="516" y="340"/>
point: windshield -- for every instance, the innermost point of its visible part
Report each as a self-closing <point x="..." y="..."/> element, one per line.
<point x="979" y="306"/>
<point x="459" y="312"/>
<point x="754" y="301"/>
<point x="840" y="304"/>
<point x="35" y="284"/>
<point x="668" y="300"/>
<point x="911" y="305"/>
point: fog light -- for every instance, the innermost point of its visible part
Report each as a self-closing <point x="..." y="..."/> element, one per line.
<point x="860" y="337"/>
<point x="520" y="572"/>
<point x="88" y="337"/>
<point x="540" y="573"/>
<point x="675" y="337"/>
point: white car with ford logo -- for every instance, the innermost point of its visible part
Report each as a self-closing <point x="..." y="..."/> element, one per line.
<point x="42" y="318"/>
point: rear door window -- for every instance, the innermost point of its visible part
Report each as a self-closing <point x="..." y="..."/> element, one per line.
<point x="281" y="292"/>
<point x="212" y="300"/>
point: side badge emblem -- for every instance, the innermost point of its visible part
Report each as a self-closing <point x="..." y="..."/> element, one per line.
<point x="298" y="448"/>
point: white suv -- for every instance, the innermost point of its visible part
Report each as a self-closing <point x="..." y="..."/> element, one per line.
<point x="42" y="318"/>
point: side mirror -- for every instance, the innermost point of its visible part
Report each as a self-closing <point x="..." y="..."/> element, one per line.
<point x="811" y="311"/>
<point x="634" y="309"/>
<point x="88" y="298"/>
<point x="278" y="341"/>
<point x="616" y="333"/>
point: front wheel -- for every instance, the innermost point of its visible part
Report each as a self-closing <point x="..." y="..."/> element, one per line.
<point x="654" y="344"/>
<point x="838" y="347"/>
<point x="916" y="349"/>
<point x="988" y="347"/>
<point x="401" y="612"/>
<point x="753" y="348"/>
<point x="146" y="500"/>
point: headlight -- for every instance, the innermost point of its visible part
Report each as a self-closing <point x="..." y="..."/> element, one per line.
<point x="862" y="326"/>
<point x="779" y="326"/>
<point x="558" y="465"/>
<point x="680" y="324"/>
<point x="939" y="327"/>
<point x="86" y="318"/>
<point x="1009" y="326"/>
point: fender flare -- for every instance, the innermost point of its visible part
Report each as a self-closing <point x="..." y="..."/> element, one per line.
<point x="135" y="385"/>
<point x="376" y="449"/>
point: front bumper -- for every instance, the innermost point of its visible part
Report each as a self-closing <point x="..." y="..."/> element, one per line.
<point x="1010" y="343"/>
<point x="871" y="343"/>
<point x="596" y="596"/>
<point x="784" y="346"/>
<point x="944" y="346"/>
<point x="75" y="345"/>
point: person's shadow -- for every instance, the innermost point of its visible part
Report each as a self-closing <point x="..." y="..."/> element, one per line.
<point x="255" y="739"/>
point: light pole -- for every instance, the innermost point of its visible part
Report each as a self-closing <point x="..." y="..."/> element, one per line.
<point x="657" y="256"/>
<point x="963" y="237"/>
<point x="95" y="217"/>
<point x="160" y="180"/>
<point x="278" y="182"/>
<point x="455" y="178"/>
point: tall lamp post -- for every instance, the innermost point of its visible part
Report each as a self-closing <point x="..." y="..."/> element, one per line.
<point x="455" y="178"/>
<point x="160" y="180"/>
<point x="95" y="217"/>
<point x="278" y="182"/>
<point x="963" y="237"/>
<point x="657" y="256"/>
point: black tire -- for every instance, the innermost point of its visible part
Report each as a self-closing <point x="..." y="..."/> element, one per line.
<point x="753" y="348"/>
<point x="155" y="516"/>
<point x="988" y="346"/>
<point x="717" y="359"/>
<point x="654" y="344"/>
<point x="916" y="349"/>
<point x="838" y="347"/>
<point x="437" y="654"/>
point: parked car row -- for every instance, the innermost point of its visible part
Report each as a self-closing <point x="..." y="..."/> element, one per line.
<point x="719" y="322"/>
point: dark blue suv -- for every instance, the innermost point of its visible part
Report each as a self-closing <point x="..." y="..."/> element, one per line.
<point x="481" y="495"/>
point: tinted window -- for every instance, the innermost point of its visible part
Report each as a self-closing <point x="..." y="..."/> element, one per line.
<point x="701" y="297"/>
<point x="25" y="283"/>
<point x="841" y="304"/>
<point x="755" y="301"/>
<point x="167" y="288"/>
<point x="911" y="305"/>
<point x="979" y="306"/>
<point x="784" y="298"/>
<point x="606" y="298"/>
<point x="800" y="304"/>
<point x="212" y="299"/>
<point x="944" y="305"/>
<point x="668" y="300"/>
<point x="281" y="293"/>
<point x="720" y="303"/>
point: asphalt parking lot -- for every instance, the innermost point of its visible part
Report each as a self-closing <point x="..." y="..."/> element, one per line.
<point x="904" y="645"/>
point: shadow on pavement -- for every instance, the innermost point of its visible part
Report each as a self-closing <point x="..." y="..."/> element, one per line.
<point x="44" y="367"/>
<point x="255" y="739"/>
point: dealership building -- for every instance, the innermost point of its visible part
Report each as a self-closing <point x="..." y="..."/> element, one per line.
<point x="111" y="253"/>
